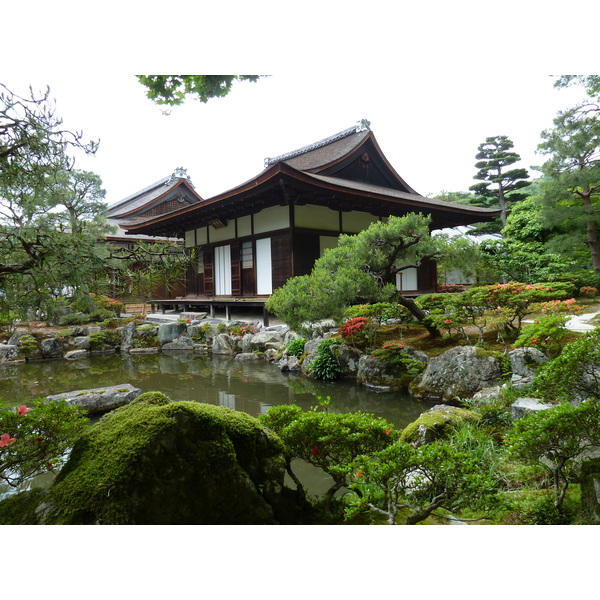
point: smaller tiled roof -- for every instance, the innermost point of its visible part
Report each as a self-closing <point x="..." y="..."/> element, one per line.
<point x="148" y="194"/>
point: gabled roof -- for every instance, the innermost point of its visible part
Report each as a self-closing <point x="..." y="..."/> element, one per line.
<point x="167" y="195"/>
<point x="177" y="185"/>
<point x="346" y="171"/>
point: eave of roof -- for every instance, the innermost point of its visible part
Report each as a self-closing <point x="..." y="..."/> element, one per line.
<point x="282" y="172"/>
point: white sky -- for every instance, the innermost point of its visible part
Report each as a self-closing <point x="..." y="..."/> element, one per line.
<point x="428" y="125"/>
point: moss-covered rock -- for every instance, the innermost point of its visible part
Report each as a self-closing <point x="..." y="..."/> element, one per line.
<point x="435" y="423"/>
<point x="160" y="462"/>
<point x="20" y="509"/>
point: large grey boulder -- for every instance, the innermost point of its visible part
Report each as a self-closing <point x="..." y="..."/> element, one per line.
<point x="524" y="363"/>
<point x="99" y="400"/>
<point x="76" y="354"/>
<point x="457" y="373"/>
<point x="81" y="342"/>
<point x="127" y="336"/>
<point x="183" y="342"/>
<point x="223" y="344"/>
<point x="348" y="358"/>
<point x="52" y="348"/>
<point x="436" y="423"/>
<point x="289" y="364"/>
<point x="167" y="332"/>
<point x="8" y="352"/>
<point x="266" y="340"/>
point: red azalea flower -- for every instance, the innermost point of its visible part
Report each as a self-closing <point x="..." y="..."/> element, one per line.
<point x="23" y="410"/>
<point x="5" y="440"/>
<point x="388" y="431"/>
<point x="315" y="451"/>
<point x="358" y="474"/>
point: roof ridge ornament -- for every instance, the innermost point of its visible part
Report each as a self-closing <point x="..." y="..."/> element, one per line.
<point x="362" y="125"/>
<point x="179" y="173"/>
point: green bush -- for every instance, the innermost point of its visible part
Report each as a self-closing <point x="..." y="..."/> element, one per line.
<point x="296" y="347"/>
<point x="28" y="345"/>
<point x="574" y="373"/>
<point x="324" y="366"/>
<point x="540" y="510"/>
<point x="76" y="318"/>
<point x="36" y="439"/>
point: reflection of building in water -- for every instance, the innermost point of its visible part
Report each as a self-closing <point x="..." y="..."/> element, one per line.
<point x="227" y="400"/>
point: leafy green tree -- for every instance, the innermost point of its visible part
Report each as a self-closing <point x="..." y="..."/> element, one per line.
<point x="362" y="266"/>
<point x="33" y="155"/>
<point x="591" y="83"/>
<point x="571" y="190"/>
<point x="328" y="440"/>
<point x="493" y="156"/>
<point x="174" y="89"/>
<point x="460" y="253"/>
<point x="574" y="373"/>
<point x="554" y="438"/>
<point x="456" y="473"/>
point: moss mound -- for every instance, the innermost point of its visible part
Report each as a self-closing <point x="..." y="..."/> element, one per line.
<point x="160" y="462"/>
<point x="435" y="423"/>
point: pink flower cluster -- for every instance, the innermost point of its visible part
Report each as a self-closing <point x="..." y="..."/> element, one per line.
<point x="5" y="439"/>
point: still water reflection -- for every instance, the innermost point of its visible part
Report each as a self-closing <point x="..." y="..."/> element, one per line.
<point x="251" y="387"/>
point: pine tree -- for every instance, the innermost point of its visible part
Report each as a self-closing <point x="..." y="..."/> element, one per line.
<point x="493" y="156"/>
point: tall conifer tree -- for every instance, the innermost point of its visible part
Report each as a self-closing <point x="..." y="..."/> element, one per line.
<point x="498" y="187"/>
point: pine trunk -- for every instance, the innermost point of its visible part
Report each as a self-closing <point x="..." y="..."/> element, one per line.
<point x="591" y="231"/>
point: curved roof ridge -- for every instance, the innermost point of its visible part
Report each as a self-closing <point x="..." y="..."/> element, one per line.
<point x="362" y="125"/>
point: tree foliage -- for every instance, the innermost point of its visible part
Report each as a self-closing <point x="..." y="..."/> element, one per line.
<point x="574" y="374"/>
<point x="37" y="438"/>
<point x="174" y="89"/>
<point x="570" y="192"/>
<point x="498" y="186"/>
<point x="327" y="440"/>
<point x="554" y="438"/>
<point x="362" y="267"/>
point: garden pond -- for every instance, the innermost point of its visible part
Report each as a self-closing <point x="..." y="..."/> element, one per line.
<point x="252" y="387"/>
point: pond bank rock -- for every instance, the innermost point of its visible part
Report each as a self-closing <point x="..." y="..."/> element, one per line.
<point x="383" y="376"/>
<point x="457" y="373"/>
<point x="99" y="400"/>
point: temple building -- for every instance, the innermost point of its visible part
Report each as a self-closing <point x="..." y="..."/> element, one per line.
<point x="251" y="239"/>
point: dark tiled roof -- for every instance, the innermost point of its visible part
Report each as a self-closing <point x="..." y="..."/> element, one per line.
<point x="324" y="151"/>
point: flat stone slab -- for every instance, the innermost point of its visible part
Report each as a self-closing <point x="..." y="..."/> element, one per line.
<point x="99" y="400"/>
